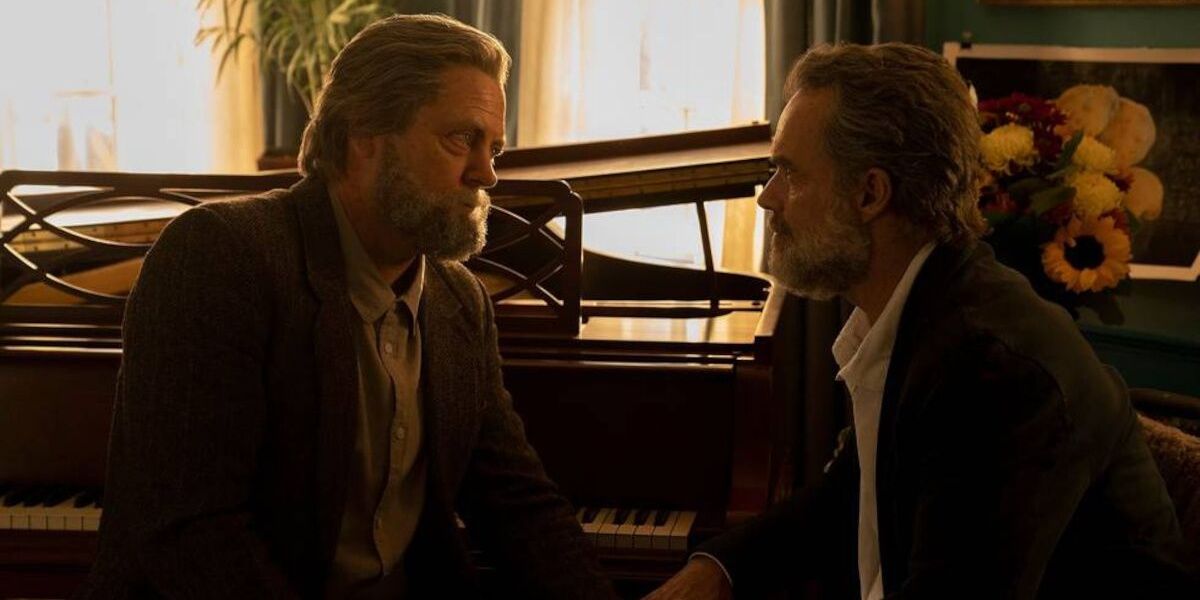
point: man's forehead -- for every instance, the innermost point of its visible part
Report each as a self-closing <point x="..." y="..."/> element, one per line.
<point x="802" y="117"/>
<point x="469" y="92"/>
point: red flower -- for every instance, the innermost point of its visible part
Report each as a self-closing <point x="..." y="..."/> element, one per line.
<point x="1059" y="215"/>
<point x="1120" y="219"/>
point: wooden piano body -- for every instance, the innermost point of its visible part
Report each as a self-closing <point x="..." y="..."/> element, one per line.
<point x="642" y="386"/>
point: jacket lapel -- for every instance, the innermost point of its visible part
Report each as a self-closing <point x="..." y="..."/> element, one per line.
<point x="449" y="380"/>
<point x="921" y="306"/>
<point x="334" y="348"/>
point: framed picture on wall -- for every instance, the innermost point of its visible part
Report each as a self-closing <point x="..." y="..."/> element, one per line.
<point x="1166" y="82"/>
<point x="1093" y="2"/>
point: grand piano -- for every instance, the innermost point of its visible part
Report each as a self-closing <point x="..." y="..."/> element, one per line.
<point x="650" y="391"/>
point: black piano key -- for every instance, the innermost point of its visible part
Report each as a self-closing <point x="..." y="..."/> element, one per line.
<point x="86" y="498"/>
<point x="589" y="514"/>
<point x="17" y="496"/>
<point x="660" y="518"/>
<point x="37" y="495"/>
<point x="639" y="517"/>
<point x="622" y="516"/>
<point x="58" y="494"/>
<point x="99" y="497"/>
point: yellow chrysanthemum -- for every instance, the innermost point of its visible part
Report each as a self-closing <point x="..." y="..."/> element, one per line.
<point x="1095" y="194"/>
<point x="1087" y="255"/>
<point x="1008" y="143"/>
<point x="1093" y="155"/>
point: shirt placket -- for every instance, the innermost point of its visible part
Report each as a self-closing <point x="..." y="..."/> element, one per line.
<point x="394" y="349"/>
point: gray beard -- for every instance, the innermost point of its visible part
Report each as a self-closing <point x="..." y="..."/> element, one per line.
<point x="432" y="221"/>
<point x="825" y="261"/>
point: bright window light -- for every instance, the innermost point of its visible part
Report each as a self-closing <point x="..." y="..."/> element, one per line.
<point x="104" y="85"/>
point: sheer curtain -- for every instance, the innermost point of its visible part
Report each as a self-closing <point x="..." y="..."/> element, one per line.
<point x="119" y="85"/>
<point x="594" y="69"/>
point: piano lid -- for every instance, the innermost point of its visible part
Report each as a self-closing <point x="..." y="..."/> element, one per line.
<point x="650" y="171"/>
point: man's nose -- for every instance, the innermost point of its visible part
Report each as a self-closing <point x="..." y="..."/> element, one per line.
<point x="481" y="170"/>
<point x="769" y="198"/>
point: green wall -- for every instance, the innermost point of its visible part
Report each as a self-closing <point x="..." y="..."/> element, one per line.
<point x="1152" y="26"/>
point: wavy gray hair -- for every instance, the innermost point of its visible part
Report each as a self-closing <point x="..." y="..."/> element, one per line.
<point x="383" y="76"/>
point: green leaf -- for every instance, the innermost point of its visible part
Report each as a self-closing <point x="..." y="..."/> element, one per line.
<point x="997" y="218"/>
<point x="1068" y="151"/>
<point x="1025" y="187"/>
<point x="1049" y="198"/>
<point x="1135" y="224"/>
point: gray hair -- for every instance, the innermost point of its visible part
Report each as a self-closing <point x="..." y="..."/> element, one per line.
<point x="385" y="74"/>
<point x="905" y="110"/>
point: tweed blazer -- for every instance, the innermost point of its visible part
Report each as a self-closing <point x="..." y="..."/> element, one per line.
<point x="233" y="425"/>
<point x="1010" y="463"/>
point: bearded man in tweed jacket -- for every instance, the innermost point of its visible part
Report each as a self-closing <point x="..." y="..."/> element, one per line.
<point x="311" y="387"/>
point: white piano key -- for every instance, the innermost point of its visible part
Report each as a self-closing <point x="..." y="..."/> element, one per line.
<point x="604" y="518"/>
<point x="590" y="529"/>
<point x="73" y="521"/>
<point x="37" y="518"/>
<point x="607" y="535"/>
<point x="661" y="535"/>
<point x="19" y="516"/>
<point x="679" y="533"/>
<point x="91" y="519"/>
<point x="625" y="532"/>
<point x="643" y="536"/>
<point x="57" y="515"/>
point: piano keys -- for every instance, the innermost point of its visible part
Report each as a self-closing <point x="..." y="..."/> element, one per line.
<point x="69" y="508"/>
<point x="49" y="508"/>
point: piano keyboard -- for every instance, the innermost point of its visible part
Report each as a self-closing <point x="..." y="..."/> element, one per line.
<point x="49" y="508"/>
<point x="637" y="529"/>
<point x="61" y="508"/>
<point x="633" y="529"/>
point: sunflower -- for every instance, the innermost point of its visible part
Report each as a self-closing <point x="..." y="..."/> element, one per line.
<point x="1088" y="254"/>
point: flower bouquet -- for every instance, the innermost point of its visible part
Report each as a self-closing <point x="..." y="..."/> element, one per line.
<point x="1062" y="193"/>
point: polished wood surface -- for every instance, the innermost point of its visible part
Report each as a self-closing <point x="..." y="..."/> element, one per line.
<point x="662" y="395"/>
<point x="651" y="170"/>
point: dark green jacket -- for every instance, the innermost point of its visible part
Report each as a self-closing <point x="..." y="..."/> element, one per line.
<point x="1010" y="462"/>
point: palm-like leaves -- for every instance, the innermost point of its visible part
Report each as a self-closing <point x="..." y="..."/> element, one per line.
<point x="299" y="37"/>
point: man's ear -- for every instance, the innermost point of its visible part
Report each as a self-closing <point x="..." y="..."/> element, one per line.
<point x="364" y="147"/>
<point x="876" y="194"/>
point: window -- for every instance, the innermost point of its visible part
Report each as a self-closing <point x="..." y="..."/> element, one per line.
<point x="106" y="85"/>
<point x="595" y="69"/>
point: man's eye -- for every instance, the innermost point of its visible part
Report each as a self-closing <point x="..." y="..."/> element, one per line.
<point x="466" y="138"/>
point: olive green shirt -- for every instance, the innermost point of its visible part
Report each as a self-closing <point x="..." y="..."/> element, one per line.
<point x="387" y="476"/>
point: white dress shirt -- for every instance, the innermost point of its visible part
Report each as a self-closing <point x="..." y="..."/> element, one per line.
<point x="863" y="351"/>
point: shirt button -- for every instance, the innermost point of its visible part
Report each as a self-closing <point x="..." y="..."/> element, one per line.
<point x="378" y="522"/>
<point x="388" y="347"/>
<point x="399" y="435"/>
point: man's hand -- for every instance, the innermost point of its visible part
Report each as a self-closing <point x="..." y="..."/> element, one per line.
<point x="701" y="579"/>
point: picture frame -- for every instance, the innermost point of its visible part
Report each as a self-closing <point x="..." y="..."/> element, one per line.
<point x="1092" y="3"/>
<point x="1164" y="80"/>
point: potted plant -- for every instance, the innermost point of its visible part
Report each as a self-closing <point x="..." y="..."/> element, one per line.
<point x="296" y="41"/>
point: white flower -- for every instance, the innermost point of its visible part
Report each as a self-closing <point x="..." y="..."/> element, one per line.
<point x="1130" y="133"/>
<point x="1088" y="107"/>
<point x="1145" y="196"/>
